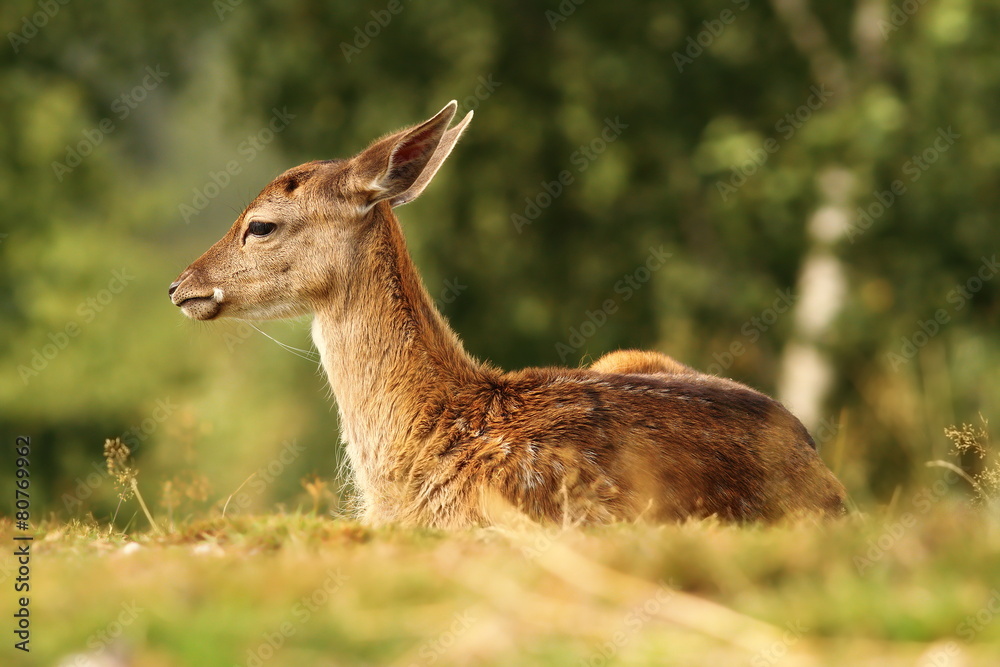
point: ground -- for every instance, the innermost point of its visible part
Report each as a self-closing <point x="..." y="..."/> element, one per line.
<point x="915" y="585"/>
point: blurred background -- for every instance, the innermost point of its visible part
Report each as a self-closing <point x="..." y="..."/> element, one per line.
<point x="801" y="196"/>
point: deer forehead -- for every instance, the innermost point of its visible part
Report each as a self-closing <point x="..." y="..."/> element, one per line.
<point x="309" y="184"/>
<point x="269" y="207"/>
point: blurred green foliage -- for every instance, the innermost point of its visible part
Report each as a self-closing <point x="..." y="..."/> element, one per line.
<point x="132" y="134"/>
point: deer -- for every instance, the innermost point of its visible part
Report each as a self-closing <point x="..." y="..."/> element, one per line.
<point x="434" y="437"/>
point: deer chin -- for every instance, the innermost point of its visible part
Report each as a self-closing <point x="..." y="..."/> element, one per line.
<point x="260" y="312"/>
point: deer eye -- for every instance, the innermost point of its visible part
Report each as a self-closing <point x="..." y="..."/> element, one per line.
<point x="261" y="228"/>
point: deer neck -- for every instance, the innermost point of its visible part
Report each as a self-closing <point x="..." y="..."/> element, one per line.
<point x="385" y="349"/>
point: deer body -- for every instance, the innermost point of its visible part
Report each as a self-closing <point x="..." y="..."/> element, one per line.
<point x="434" y="437"/>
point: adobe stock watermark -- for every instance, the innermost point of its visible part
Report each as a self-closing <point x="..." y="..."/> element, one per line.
<point x="485" y="87"/>
<point x="102" y="640"/>
<point x="59" y="340"/>
<point x="223" y="7"/>
<point x="776" y="652"/>
<point x="899" y="15"/>
<point x="435" y="648"/>
<point x="30" y="25"/>
<point x="562" y="12"/>
<point x="785" y="127"/>
<point x="581" y="159"/>
<point x="966" y="630"/>
<point x="825" y="431"/>
<point x="632" y="624"/>
<point x="246" y="152"/>
<point x="913" y="169"/>
<point x="363" y="35"/>
<point x="625" y="288"/>
<point x="450" y="292"/>
<point x="134" y="437"/>
<point x="271" y="641"/>
<point x="713" y="29"/>
<point x="263" y="477"/>
<point x="958" y="297"/>
<point x="122" y="107"/>
<point x="752" y="330"/>
<point x="542" y="538"/>
<point x="893" y="531"/>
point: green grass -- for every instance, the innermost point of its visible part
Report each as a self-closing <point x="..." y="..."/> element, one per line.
<point x="292" y="589"/>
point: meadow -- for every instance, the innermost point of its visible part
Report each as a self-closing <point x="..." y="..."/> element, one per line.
<point x="892" y="588"/>
<point x="911" y="583"/>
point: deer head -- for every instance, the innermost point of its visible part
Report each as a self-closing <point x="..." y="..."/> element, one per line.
<point x="293" y="246"/>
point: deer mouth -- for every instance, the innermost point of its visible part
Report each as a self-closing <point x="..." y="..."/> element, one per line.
<point x="197" y="306"/>
<point x="201" y="307"/>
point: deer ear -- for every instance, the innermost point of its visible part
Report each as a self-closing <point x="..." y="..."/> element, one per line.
<point x="401" y="165"/>
<point x="440" y="154"/>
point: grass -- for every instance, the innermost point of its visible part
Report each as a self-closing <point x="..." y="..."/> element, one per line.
<point x="914" y="583"/>
<point x="902" y="587"/>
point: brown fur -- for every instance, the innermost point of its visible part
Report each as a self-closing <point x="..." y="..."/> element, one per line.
<point x="432" y="435"/>
<point x="641" y="362"/>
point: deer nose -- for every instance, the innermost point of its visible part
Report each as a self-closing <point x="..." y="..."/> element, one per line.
<point x="173" y="287"/>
